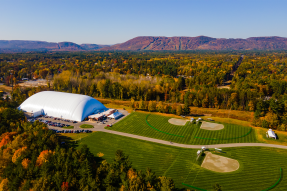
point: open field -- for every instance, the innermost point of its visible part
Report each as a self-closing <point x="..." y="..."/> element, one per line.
<point x="135" y="124"/>
<point x="259" y="166"/>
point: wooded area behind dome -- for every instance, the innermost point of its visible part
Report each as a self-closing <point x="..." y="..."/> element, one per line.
<point x="169" y="82"/>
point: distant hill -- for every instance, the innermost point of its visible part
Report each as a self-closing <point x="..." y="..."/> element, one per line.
<point x="152" y="43"/>
<point x="10" y="46"/>
<point x="200" y="43"/>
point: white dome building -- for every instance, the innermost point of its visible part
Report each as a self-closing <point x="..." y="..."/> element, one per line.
<point x="70" y="106"/>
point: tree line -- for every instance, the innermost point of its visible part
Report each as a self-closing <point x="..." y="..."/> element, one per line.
<point x="195" y="78"/>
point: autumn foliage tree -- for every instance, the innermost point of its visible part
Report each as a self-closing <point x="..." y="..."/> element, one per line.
<point x="44" y="157"/>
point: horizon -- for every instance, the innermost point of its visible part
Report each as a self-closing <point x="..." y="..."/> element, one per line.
<point x="147" y="36"/>
<point x="112" y="22"/>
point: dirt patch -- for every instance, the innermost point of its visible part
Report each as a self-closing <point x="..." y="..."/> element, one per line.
<point x="219" y="163"/>
<point x="175" y="121"/>
<point x="211" y="126"/>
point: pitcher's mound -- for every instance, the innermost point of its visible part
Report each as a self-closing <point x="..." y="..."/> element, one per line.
<point x="175" y="121"/>
<point x="219" y="163"/>
<point x="211" y="126"/>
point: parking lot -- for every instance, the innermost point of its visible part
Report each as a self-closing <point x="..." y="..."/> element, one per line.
<point x="59" y="125"/>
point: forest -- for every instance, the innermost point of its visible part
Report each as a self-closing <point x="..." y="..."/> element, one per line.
<point x="168" y="82"/>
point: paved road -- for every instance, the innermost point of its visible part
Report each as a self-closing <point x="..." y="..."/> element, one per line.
<point x="191" y="146"/>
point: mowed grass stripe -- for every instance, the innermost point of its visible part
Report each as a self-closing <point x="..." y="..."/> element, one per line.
<point x="135" y="124"/>
<point x="259" y="166"/>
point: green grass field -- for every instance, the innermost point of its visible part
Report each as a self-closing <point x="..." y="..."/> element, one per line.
<point x="85" y="126"/>
<point x="69" y="127"/>
<point x="259" y="166"/>
<point x="135" y="124"/>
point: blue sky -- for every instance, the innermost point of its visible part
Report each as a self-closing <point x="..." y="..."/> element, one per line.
<point x="115" y="21"/>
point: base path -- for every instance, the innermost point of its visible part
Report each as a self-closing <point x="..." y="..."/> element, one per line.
<point x="191" y="146"/>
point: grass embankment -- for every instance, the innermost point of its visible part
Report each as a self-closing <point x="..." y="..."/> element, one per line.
<point x="259" y="166"/>
<point x="86" y="126"/>
<point x="261" y="135"/>
<point x="69" y="127"/>
<point x="224" y="113"/>
<point x="135" y="124"/>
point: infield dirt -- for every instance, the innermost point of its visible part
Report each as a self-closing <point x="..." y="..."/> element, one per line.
<point x="219" y="163"/>
<point x="211" y="126"/>
<point x="175" y="121"/>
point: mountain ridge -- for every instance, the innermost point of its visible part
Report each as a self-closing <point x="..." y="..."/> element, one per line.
<point x="200" y="43"/>
<point x="155" y="43"/>
<point x="11" y="46"/>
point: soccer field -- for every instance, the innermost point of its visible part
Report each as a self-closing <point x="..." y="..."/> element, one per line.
<point x="259" y="166"/>
<point x="135" y="123"/>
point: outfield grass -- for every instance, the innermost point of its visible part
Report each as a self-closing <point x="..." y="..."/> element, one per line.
<point x="86" y="126"/>
<point x="135" y="124"/>
<point x="259" y="166"/>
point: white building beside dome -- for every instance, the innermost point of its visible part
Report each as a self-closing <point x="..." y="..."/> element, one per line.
<point x="70" y="106"/>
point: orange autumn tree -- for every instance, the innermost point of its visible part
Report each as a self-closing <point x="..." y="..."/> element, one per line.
<point x="65" y="186"/>
<point x="4" y="184"/>
<point x="7" y="138"/>
<point x="44" y="157"/>
<point x="25" y="163"/>
<point x="18" y="153"/>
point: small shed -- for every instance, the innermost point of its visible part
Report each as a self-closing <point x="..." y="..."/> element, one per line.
<point x="271" y="134"/>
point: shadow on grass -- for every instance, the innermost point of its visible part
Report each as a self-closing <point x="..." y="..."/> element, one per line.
<point x="196" y="115"/>
<point x="180" y="189"/>
<point x="200" y="159"/>
<point x="68" y="142"/>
